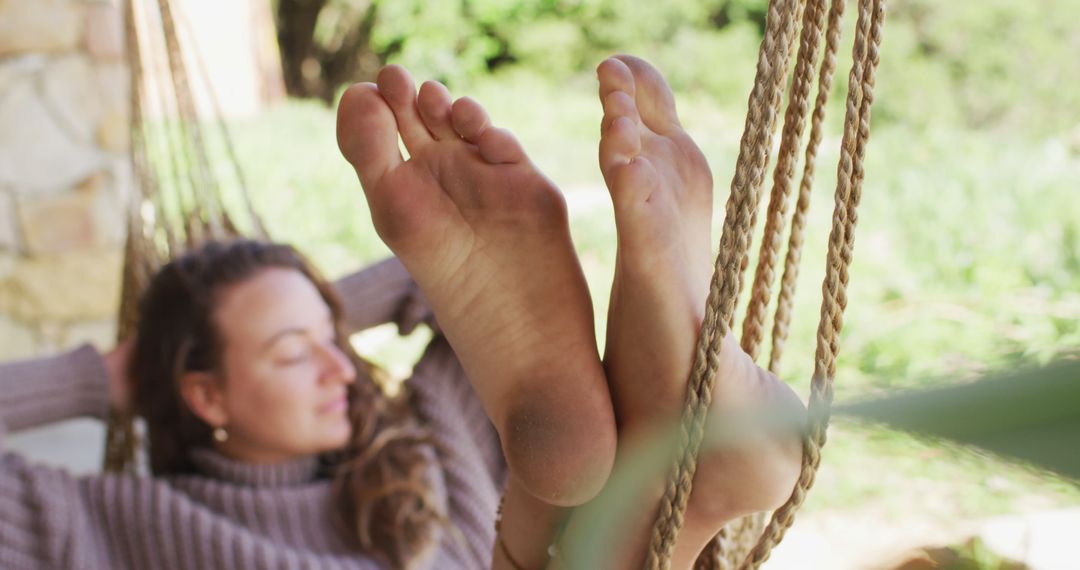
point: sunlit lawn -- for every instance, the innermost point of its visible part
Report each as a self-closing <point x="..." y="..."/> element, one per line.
<point x="967" y="259"/>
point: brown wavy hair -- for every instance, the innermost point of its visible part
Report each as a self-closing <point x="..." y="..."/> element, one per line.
<point x="381" y="479"/>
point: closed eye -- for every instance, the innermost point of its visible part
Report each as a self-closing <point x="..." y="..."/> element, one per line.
<point x="296" y="358"/>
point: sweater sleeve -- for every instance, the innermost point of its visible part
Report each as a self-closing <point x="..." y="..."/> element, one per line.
<point x="382" y="293"/>
<point x="466" y="443"/>
<point x="46" y="390"/>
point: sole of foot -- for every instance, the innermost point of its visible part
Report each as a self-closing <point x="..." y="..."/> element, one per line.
<point x="661" y="189"/>
<point x="486" y="237"/>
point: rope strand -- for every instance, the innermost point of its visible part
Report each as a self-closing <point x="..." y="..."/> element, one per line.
<point x="720" y="307"/>
<point x="866" y="57"/>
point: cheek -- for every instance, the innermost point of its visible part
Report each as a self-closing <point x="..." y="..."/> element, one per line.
<point x="273" y="397"/>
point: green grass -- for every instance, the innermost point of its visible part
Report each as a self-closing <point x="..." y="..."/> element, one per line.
<point x="967" y="259"/>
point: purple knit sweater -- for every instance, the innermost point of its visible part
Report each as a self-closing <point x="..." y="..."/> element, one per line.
<point x="235" y="515"/>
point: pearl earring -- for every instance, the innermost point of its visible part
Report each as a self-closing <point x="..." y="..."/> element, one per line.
<point x="220" y="435"/>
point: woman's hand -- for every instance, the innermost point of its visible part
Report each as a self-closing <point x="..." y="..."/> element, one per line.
<point x="116" y="363"/>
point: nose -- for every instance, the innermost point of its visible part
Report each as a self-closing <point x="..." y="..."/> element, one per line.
<point x="338" y="365"/>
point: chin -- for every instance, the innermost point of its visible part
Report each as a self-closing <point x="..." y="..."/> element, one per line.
<point x="339" y="438"/>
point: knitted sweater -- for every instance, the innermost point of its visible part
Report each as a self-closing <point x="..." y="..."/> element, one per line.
<point x="234" y="515"/>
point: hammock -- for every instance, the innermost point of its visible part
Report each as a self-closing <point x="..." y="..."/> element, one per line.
<point x="177" y="202"/>
<point x="168" y="214"/>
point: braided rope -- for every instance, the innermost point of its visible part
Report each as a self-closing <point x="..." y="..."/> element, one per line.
<point x="791" y="139"/>
<point x="729" y="547"/>
<point x="725" y="550"/>
<point x="786" y="297"/>
<point x="866" y="57"/>
<point x="749" y="169"/>
<point x="774" y="106"/>
<point x="740" y="535"/>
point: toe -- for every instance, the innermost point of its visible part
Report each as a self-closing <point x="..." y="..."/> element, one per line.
<point x="618" y="104"/>
<point x="653" y="96"/>
<point x="620" y="143"/>
<point x="397" y="87"/>
<point x="614" y="75"/>
<point x="367" y="133"/>
<point x="500" y="146"/>
<point x="469" y="119"/>
<point x="434" y="105"/>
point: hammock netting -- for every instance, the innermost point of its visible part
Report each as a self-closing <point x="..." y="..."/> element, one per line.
<point x="178" y="203"/>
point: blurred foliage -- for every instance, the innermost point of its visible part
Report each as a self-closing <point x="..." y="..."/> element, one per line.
<point x="984" y="63"/>
<point x="967" y="255"/>
<point x="972" y="554"/>
<point x="1032" y="415"/>
<point x="977" y="64"/>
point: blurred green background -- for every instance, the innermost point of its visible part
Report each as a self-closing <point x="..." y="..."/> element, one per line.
<point x="967" y="255"/>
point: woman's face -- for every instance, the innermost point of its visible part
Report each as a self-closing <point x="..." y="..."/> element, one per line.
<point x="283" y="394"/>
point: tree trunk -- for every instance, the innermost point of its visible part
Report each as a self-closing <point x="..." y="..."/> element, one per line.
<point x="296" y="21"/>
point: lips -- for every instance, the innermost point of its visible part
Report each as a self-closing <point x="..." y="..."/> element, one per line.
<point x="336" y="405"/>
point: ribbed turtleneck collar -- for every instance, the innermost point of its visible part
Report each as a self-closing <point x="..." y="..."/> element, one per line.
<point x="295" y="472"/>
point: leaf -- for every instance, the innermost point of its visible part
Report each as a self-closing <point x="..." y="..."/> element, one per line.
<point x="1032" y="415"/>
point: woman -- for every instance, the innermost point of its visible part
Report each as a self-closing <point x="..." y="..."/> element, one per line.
<point x="241" y="366"/>
<point x="244" y="375"/>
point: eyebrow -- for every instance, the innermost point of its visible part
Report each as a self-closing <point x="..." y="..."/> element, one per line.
<point x="290" y="331"/>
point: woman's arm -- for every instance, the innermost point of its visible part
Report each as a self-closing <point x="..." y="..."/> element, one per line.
<point x="46" y="390"/>
<point x="382" y="293"/>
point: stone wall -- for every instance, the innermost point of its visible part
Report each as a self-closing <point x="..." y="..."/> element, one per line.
<point x="64" y="173"/>
<point x="64" y="177"/>
<point x="64" y="169"/>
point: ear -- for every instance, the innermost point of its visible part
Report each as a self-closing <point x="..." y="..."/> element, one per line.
<point x="203" y="394"/>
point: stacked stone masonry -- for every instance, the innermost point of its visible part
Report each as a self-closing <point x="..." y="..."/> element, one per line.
<point x="64" y="173"/>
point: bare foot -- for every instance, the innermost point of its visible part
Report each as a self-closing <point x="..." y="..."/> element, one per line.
<point x="485" y="235"/>
<point x="661" y="188"/>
